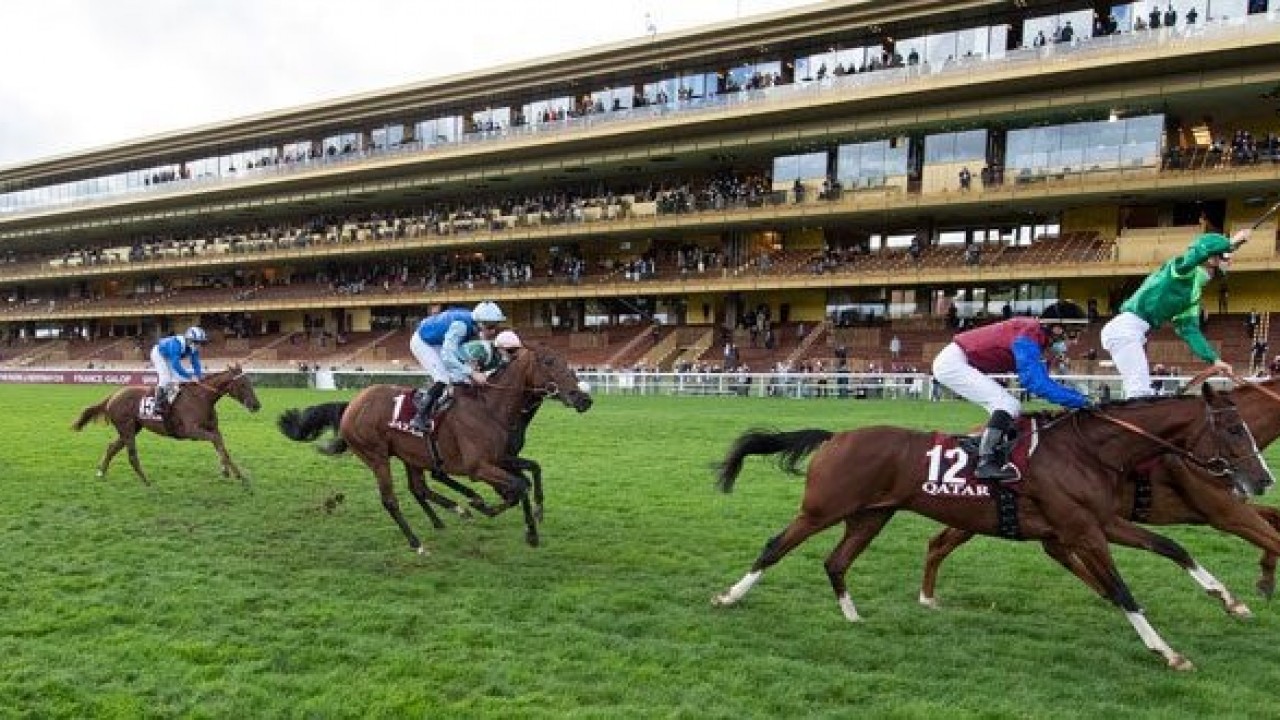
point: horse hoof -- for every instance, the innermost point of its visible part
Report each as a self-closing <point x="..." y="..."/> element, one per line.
<point x="532" y="540"/>
<point x="422" y="551"/>
<point x="1180" y="663"/>
<point x="1267" y="588"/>
<point x="1240" y="610"/>
<point x="929" y="602"/>
<point x="99" y="474"/>
<point x="722" y="600"/>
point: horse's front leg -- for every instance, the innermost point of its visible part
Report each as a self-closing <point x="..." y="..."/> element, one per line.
<point x="229" y="467"/>
<point x="522" y="465"/>
<point x="1267" y="577"/>
<point x="1126" y="533"/>
<point x="473" y="497"/>
<point x="1095" y="555"/>
<point x="513" y="488"/>
<point x="425" y="496"/>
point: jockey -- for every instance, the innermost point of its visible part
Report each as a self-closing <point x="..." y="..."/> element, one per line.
<point x="1171" y="294"/>
<point x="167" y="357"/>
<point x="436" y="345"/>
<point x="1017" y="345"/>
<point x="490" y="356"/>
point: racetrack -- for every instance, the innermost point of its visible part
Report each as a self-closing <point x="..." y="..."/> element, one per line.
<point x="196" y="598"/>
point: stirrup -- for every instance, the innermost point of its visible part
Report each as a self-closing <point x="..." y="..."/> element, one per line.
<point x="1004" y="473"/>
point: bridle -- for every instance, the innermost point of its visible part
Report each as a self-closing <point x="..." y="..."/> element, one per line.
<point x="549" y="389"/>
<point x="1219" y="464"/>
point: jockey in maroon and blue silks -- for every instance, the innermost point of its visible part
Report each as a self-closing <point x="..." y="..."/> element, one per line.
<point x="1014" y="345"/>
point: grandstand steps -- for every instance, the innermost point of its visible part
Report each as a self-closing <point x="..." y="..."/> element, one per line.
<point x="42" y="352"/>
<point x="693" y="352"/>
<point x="113" y="351"/>
<point x="632" y="350"/>
<point x="374" y="352"/>
<point x="811" y="340"/>
<point x="267" y="353"/>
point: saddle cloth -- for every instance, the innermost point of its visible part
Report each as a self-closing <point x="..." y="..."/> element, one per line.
<point x="948" y="466"/>
<point x="405" y="407"/>
<point x="148" y="408"/>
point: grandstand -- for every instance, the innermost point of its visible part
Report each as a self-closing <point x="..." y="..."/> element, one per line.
<point x="802" y="186"/>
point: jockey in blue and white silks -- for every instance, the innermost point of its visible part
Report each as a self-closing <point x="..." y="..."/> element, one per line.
<point x="436" y="345"/>
<point x="167" y="356"/>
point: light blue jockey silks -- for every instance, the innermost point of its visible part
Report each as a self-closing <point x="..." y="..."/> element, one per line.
<point x="447" y="331"/>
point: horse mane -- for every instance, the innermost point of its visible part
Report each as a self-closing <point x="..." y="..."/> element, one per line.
<point x="1143" y="401"/>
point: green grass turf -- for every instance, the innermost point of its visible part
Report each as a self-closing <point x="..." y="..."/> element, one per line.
<point x="194" y="598"/>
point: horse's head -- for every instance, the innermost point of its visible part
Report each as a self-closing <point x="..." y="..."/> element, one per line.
<point x="553" y="378"/>
<point x="240" y="387"/>
<point x="1235" y="452"/>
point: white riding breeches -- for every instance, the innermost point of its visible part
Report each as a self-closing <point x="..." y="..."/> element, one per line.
<point x="429" y="358"/>
<point x="1125" y="338"/>
<point x="951" y="368"/>
<point x="165" y="377"/>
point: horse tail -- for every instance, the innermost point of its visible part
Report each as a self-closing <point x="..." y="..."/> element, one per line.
<point x="308" y="424"/>
<point x="88" y="415"/>
<point x="793" y="446"/>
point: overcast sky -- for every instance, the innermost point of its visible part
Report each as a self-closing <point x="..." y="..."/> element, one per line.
<point x="78" y="74"/>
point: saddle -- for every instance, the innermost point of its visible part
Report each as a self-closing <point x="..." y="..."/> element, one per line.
<point x="1023" y="441"/>
<point x="406" y="406"/>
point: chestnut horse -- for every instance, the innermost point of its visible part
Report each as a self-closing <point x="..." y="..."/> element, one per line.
<point x="191" y="417"/>
<point x="478" y="436"/>
<point x="862" y="477"/>
<point x="1170" y="495"/>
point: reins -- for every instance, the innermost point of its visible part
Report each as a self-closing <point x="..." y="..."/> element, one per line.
<point x="1216" y="465"/>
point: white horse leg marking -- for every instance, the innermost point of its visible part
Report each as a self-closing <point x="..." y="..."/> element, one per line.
<point x="735" y="593"/>
<point x="929" y="602"/>
<point x="846" y="607"/>
<point x="1155" y="643"/>
<point x="1214" y="587"/>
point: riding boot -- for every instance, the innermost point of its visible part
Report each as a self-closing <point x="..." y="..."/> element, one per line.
<point x="993" y="450"/>
<point x="164" y="403"/>
<point x="419" y="422"/>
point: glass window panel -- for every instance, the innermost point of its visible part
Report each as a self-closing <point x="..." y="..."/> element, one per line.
<point x="940" y="51"/>
<point x="812" y="166"/>
<point x="785" y="169"/>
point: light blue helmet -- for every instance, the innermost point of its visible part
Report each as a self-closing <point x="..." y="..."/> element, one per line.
<point x="195" y="334"/>
<point x="488" y="312"/>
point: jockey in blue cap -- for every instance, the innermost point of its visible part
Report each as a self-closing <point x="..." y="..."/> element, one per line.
<point x="436" y="346"/>
<point x="166" y="358"/>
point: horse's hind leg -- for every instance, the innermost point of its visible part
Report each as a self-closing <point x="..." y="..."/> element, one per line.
<point x="129" y="434"/>
<point x="1126" y="533"/>
<point x="940" y="547"/>
<point x="381" y="467"/>
<point x="424" y="495"/>
<point x="859" y="531"/>
<point x="774" y="550"/>
<point x="113" y="447"/>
